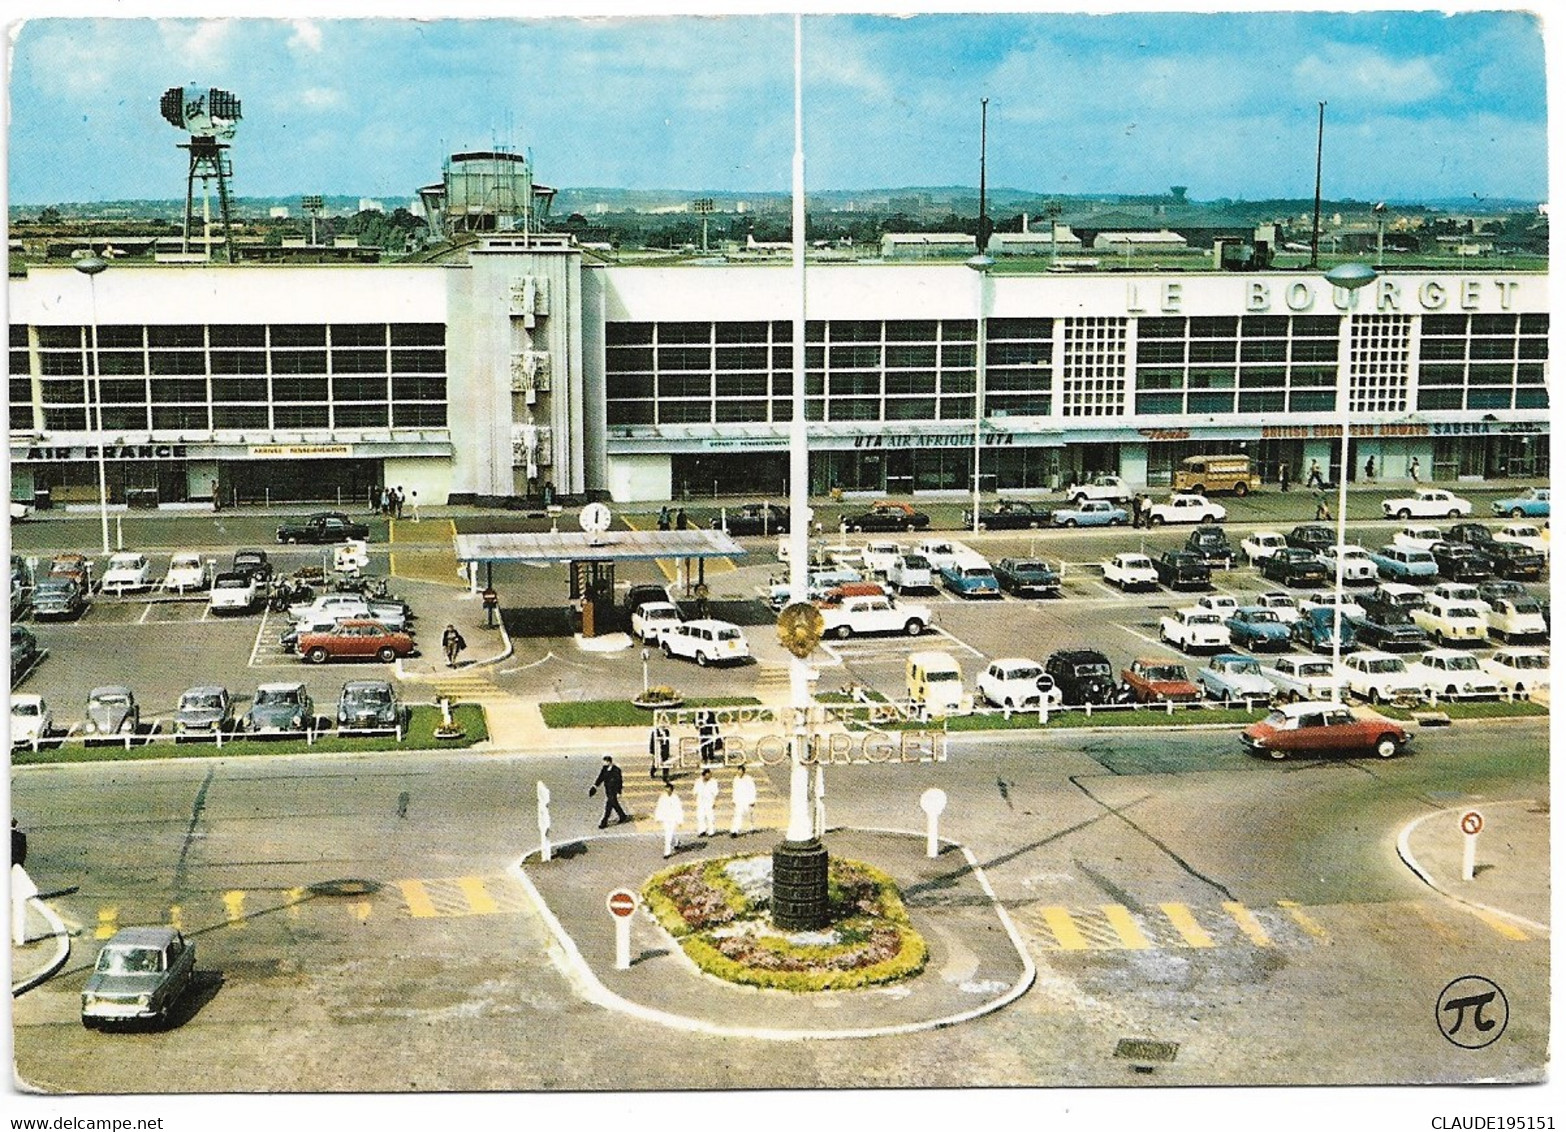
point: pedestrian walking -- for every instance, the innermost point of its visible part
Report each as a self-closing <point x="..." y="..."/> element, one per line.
<point x="217" y="503"/>
<point x="669" y="813"/>
<point x="1323" y="512"/>
<point x="710" y="743"/>
<point x="659" y="751"/>
<point x="491" y="601"/>
<point x="701" y="601"/>
<point x="681" y="523"/>
<point x="706" y="792"/>
<point x="1413" y="469"/>
<point x="1370" y="469"/>
<point x="1314" y="478"/>
<point x="1136" y="510"/>
<point x="18" y="844"/>
<point x="613" y="782"/>
<point x="743" y="792"/>
<point x="397" y="499"/>
<point x="1283" y="476"/>
<point x="663" y="518"/>
<point x="452" y="643"/>
<point x="1147" y="510"/>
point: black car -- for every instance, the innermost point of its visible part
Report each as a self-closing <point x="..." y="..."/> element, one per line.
<point x="642" y="593"/>
<point x="1492" y="591"/>
<point x="755" y="519"/>
<point x="886" y="516"/>
<point x="322" y="527"/>
<point x="1009" y="515"/>
<point x="1025" y="576"/>
<point x="1507" y="559"/>
<point x="1388" y="627"/>
<point x="1082" y="675"/>
<point x="1461" y="562"/>
<point x="1311" y="537"/>
<point x="24" y="652"/>
<point x="253" y="562"/>
<point x="1294" y="566"/>
<point x="1180" y="569"/>
<point x="1212" y="546"/>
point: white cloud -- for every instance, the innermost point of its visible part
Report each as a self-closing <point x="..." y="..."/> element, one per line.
<point x="320" y="98"/>
<point x="199" y="43"/>
<point x="306" y="37"/>
<point x="1354" y="74"/>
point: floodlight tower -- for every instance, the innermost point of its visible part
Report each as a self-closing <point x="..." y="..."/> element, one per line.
<point x="207" y="115"/>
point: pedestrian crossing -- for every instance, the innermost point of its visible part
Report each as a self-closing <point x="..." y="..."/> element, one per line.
<point x="641" y="794"/>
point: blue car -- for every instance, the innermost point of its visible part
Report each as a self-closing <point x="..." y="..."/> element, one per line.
<point x="1314" y="630"/>
<point x="1255" y="628"/>
<point x="1090" y="513"/>
<point x="970" y="579"/>
<point x="1403" y="563"/>
<point x="1534" y="505"/>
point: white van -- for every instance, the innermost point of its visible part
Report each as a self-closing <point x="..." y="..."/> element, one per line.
<point x="935" y="684"/>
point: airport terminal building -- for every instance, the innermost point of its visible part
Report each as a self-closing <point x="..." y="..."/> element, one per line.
<point x="528" y="362"/>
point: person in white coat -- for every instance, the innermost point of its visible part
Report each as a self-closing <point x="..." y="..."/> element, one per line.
<point x="744" y="794"/>
<point x="669" y="813"/>
<point x="706" y="791"/>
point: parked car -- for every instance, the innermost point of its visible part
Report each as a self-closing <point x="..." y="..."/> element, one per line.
<point x="251" y="561"/>
<point x="1388" y="627"/>
<point x="279" y="708"/>
<point x="1311" y="537"/>
<point x="653" y="618"/>
<point x="754" y="519"/>
<point x="1009" y="515"/>
<point x="972" y="578"/>
<point x="1082" y="675"/>
<point x="1282" y="604"/>
<point x="127" y="572"/>
<point x="322" y="527"/>
<point x="1450" y="621"/>
<point x="1212" y="546"/>
<point x="942" y="552"/>
<point x="1180" y="569"/>
<point x="1524" y="534"/>
<point x="1534" y="505"/>
<point x="877" y="557"/>
<point x="112" y="710"/>
<point x="1184" y="508"/>
<point x="368" y="705"/>
<point x="1102" y="487"/>
<point x="1231" y="677"/>
<point x="392" y="614"/>
<point x="57" y="597"/>
<point x="1090" y="513"/>
<point x="1302" y="677"/>
<point x="204" y="710"/>
<point x="139" y="976"/>
<point x="910" y="572"/>
<point x="31" y="719"/>
<point x="355" y="639"/>
<point x="1330" y="600"/>
<point x="187" y="571"/>
<point x="1017" y="682"/>
<point x="873" y="613"/>
<point x="1461" y="562"/>
<point x="1224" y="605"/>
<point x="1455" y="675"/>
<point x="934" y="683"/>
<point x="1192" y="629"/>
<point x="706" y="642"/>
<point x="1397" y="593"/>
<point x="1500" y="587"/>
<point x="887" y="515"/>
<point x="1523" y="671"/>
<point x="1317" y="628"/>
<point x="1255" y="628"/>
<point x="1419" y="536"/>
<point x="1511" y="559"/>
<point x="1159" y="681"/>
<point x="234" y="591"/>
<point x="1027" y="577"/>
<point x="1131" y="571"/>
<point x="1294" y="566"/>
<point x="1379" y="677"/>
<point x="641" y="593"/>
<point x="1464" y="591"/>
<point x="1432" y="503"/>
<point x="1516" y="618"/>
<point x="24" y="652"/>
<point x="1358" y="566"/>
<point x="1261" y="545"/>
<point x="1402" y="562"/>
<point x="1315" y="729"/>
<point x="77" y="567"/>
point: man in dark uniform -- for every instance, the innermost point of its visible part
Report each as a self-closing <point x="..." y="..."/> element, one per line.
<point x="18" y="845"/>
<point x="612" y="781"/>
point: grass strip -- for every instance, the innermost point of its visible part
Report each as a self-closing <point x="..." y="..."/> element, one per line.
<point x="623" y="713"/>
<point x="1470" y="709"/>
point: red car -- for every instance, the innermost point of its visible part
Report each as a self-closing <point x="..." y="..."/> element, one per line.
<point x="1160" y="681"/>
<point x="353" y="639"/>
<point x="1314" y="728"/>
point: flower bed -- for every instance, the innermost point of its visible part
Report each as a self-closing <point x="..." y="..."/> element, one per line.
<point x="718" y="911"/>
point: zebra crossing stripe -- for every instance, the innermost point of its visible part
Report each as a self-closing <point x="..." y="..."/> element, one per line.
<point x="234" y="907"/>
<point x="1059" y="921"/>
<point x="417" y="897"/>
<point x="1190" y="931"/>
<point x="1247" y="923"/>
<point x="1126" y="927"/>
<point x="108" y="923"/>
<point x="478" y="896"/>
<point x="1297" y="913"/>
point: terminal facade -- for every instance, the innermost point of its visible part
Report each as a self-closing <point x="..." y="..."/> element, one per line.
<point x="529" y="363"/>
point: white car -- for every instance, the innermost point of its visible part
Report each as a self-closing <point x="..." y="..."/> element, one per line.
<point x="187" y="571"/>
<point x="351" y="557"/>
<point x="31" y="719"/>
<point x="1418" y="536"/>
<point x="1379" y="677"/>
<point x="1400" y="594"/>
<point x="1284" y="605"/>
<point x="127" y="571"/>
<point x="1429" y="504"/>
<point x="392" y="614"/>
<point x="1229" y="677"/>
<point x="1112" y="488"/>
<point x="1131" y="571"/>
<point x="911" y="572"/>
<point x="1358" y="566"/>
<point x="1455" y="675"/>
<point x="234" y="591"/>
<point x="879" y="556"/>
<point x="1186" y="508"/>
<point x="1524" y="534"/>
<point x="653" y="618"/>
<point x="1513" y="617"/>
<point x="1302" y="677"/>
<point x="942" y="552"/>
<point x="866" y="613"/>
<point x="1459" y="591"/>
<point x="1224" y="605"/>
<point x="706" y="642"/>
<point x="1451" y="619"/>
<point x="1261" y="545"/>
<point x="1525" y="671"/>
<point x="1016" y="682"/>
<point x="1350" y="607"/>
<point x="1193" y="628"/>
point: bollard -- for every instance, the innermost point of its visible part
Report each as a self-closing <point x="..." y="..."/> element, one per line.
<point x="119" y="532"/>
<point x="932" y="802"/>
<point x="544" y="853"/>
<point x="1472" y="822"/>
<point x="622" y="904"/>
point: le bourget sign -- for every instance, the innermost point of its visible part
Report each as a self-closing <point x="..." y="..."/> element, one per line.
<point x="826" y="748"/>
<point x="1385" y="296"/>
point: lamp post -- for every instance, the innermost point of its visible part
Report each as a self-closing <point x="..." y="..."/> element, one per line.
<point x="1380" y="213"/>
<point x="1349" y="277"/>
<point x="93" y="266"/>
<point x="1052" y="210"/>
<point x="980" y="263"/>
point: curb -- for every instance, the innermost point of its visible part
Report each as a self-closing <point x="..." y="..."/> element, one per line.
<point x="580" y="974"/>
<point x="1407" y="856"/>
<point x="62" y="951"/>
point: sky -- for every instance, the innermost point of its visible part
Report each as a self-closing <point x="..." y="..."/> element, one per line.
<point x="1419" y="105"/>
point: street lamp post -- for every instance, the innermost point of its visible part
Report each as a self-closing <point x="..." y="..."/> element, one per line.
<point x="1349" y="277"/>
<point x="980" y="263"/>
<point x="92" y="266"/>
<point x="1380" y="213"/>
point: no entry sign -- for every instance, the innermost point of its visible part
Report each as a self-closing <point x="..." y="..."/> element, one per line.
<point x="1473" y="822"/>
<point x="622" y="902"/>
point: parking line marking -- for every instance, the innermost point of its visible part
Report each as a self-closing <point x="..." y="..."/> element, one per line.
<point x="108" y="923"/>
<point x="1059" y="921"/>
<point x="255" y="648"/>
<point x="1126" y="928"/>
<point x="418" y="899"/>
<point x="292" y="899"/>
<point x="1248" y="923"/>
<point x="1297" y="913"/>
<point x="234" y="907"/>
<point x="176" y="917"/>
<point x="1185" y="923"/>
<point x="479" y="898"/>
<point x="145" y="613"/>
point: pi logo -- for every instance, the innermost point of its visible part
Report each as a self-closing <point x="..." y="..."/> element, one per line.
<point x="1471" y="1012"/>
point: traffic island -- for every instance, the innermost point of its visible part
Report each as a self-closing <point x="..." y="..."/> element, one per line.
<point x="954" y="956"/>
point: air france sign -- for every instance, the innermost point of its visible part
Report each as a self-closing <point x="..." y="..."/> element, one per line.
<point x="1387" y="295"/>
<point x="110" y="452"/>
